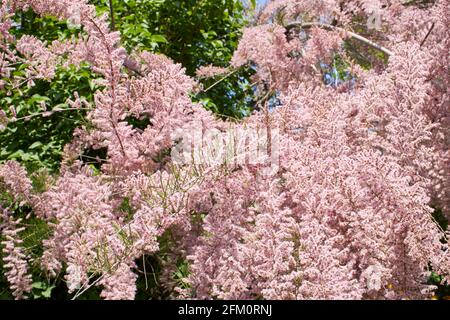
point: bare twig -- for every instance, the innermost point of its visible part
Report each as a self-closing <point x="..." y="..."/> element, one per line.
<point x="111" y="13"/>
<point x="222" y="79"/>
<point x="306" y="25"/>
<point x="48" y="112"/>
<point x="428" y="34"/>
<point x="145" y="272"/>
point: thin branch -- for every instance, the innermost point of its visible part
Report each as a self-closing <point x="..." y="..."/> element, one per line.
<point x="111" y="13"/>
<point x="219" y="81"/>
<point x="353" y="35"/>
<point x="428" y="34"/>
<point x="50" y="112"/>
<point x="145" y="272"/>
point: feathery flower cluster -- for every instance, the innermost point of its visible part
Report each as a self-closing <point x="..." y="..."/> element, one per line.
<point x="354" y="180"/>
<point x="293" y="9"/>
<point x="14" y="258"/>
<point x="14" y="180"/>
<point x="267" y="47"/>
<point x="43" y="61"/>
<point x="346" y="215"/>
<point x="210" y="71"/>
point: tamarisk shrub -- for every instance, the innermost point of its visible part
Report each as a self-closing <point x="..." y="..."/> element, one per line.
<point x="345" y="211"/>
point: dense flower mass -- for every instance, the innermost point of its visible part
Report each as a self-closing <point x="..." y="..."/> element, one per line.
<point x="15" y="260"/>
<point x="340" y="207"/>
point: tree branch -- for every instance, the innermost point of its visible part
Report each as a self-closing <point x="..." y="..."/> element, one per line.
<point x="428" y="34"/>
<point x="307" y="25"/>
<point x="111" y="13"/>
<point x="229" y="74"/>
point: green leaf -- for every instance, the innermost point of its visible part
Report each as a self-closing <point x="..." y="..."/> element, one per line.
<point x="17" y="154"/>
<point x="35" y="145"/>
<point x="158" y="38"/>
<point x="38" y="285"/>
<point x="47" y="293"/>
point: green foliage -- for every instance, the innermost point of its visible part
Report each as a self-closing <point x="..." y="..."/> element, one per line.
<point x="364" y="55"/>
<point x="443" y="288"/>
<point x="232" y="98"/>
<point x="193" y="33"/>
<point x="36" y="140"/>
<point x="151" y="267"/>
<point x="45" y="28"/>
<point x="42" y="290"/>
<point x="43" y="124"/>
